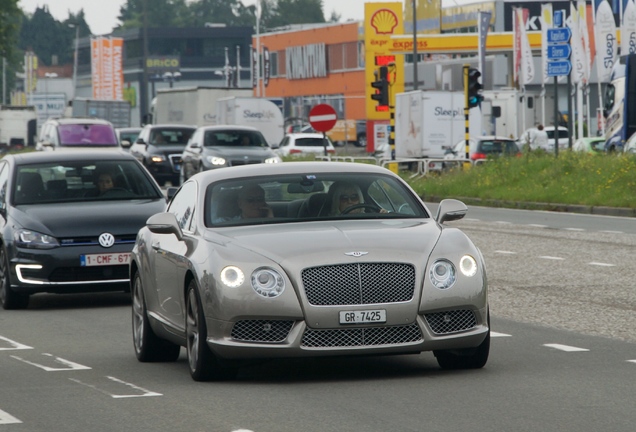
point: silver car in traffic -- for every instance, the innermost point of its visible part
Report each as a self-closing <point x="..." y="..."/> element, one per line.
<point x="305" y="259"/>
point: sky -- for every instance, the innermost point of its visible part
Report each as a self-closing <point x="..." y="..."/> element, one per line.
<point x="101" y="15"/>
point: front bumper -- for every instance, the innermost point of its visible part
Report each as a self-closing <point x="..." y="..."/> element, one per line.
<point x="59" y="270"/>
<point x="441" y="330"/>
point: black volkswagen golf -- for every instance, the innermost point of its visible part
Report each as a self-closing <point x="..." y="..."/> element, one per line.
<point x="68" y="221"/>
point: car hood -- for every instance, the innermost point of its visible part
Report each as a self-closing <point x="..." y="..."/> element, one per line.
<point x="230" y="152"/>
<point x="87" y="218"/>
<point x="336" y="242"/>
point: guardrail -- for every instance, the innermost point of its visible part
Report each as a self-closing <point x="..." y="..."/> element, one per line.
<point x="424" y="166"/>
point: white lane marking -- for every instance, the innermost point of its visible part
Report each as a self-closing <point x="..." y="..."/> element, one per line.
<point x="574" y="229"/>
<point x="504" y="222"/>
<point x="69" y="364"/>
<point x="472" y="219"/>
<point x="631" y="361"/>
<point x="242" y="430"/>
<point x="495" y="334"/>
<point x="612" y="232"/>
<point x="565" y="348"/>
<point x="14" y="345"/>
<point x="505" y="252"/>
<point x="551" y="258"/>
<point x="602" y="264"/>
<point x="6" y="418"/>
<point x="538" y="225"/>
<point x="144" y="392"/>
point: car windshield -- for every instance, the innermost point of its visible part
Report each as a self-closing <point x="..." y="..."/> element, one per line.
<point x="72" y="181"/>
<point x="234" y="138"/>
<point x="98" y="135"/>
<point x="309" y="197"/>
<point x="497" y="147"/>
<point x="170" y="136"/>
<point x="563" y="133"/>
<point x="131" y="137"/>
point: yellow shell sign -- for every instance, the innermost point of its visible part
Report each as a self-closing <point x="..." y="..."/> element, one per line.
<point x="384" y="21"/>
<point x="381" y="22"/>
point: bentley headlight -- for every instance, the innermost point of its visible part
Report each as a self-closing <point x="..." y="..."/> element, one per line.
<point x="34" y="240"/>
<point x="232" y="276"/>
<point x="443" y="274"/>
<point x="468" y="266"/>
<point x="268" y="282"/>
<point x="215" y="160"/>
<point x="275" y="159"/>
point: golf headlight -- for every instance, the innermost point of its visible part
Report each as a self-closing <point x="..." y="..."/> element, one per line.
<point x="468" y="266"/>
<point x="232" y="276"/>
<point x="442" y="274"/>
<point x="275" y="159"/>
<point x="35" y="240"/>
<point x="267" y="282"/>
<point x="215" y="160"/>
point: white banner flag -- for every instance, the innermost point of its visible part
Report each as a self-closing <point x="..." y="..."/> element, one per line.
<point x="527" y="64"/>
<point x="578" y="55"/>
<point x="546" y="23"/>
<point x="606" y="43"/>
<point x="585" y="39"/>
<point x="628" y="29"/>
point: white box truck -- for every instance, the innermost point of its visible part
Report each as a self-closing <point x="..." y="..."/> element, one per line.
<point x="18" y="125"/>
<point x="260" y="113"/>
<point x="515" y="112"/>
<point x="191" y="105"/>
<point x="115" y="111"/>
<point x="429" y="122"/>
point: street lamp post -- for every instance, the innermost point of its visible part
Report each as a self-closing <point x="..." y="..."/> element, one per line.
<point x="75" y="58"/>
<point x="48" y="76"/>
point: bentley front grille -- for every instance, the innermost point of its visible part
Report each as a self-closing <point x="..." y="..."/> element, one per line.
<point x="358" y="284"/>
<point x="261" y="330"/>
<point x="361" y="337"/>
<point x="451" y="321"/>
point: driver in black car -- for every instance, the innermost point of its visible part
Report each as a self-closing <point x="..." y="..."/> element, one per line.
<point x="104" y="182"/>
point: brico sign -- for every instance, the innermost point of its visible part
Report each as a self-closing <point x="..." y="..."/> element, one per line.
<point x="163" y="64"/>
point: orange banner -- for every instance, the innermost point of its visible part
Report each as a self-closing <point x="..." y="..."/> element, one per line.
<point x="107" y="70"/>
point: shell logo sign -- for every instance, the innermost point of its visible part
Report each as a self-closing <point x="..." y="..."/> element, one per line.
<point x="384" y="21"/>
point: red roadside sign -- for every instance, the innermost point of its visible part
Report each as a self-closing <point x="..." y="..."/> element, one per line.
<point x="323" y="117"/>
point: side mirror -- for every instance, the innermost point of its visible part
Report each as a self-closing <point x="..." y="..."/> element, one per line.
<point x="164" y="223"/>
<point x="125" y="144"/>
<point x="450" y="210"/>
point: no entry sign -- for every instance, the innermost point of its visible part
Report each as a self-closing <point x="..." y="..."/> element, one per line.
<point x="323" y="117"/>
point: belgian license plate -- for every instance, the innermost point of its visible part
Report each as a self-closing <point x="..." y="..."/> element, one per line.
<point x="363" y="316"/>
<point x="105" y="259"/>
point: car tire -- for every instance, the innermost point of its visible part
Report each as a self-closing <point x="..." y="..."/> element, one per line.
<point x="362" y="140"/>
<point x="203" y="364"/>
<point x="9" y="298"/>
<point x="148" y="346"/>
<point x="469" y="358"/>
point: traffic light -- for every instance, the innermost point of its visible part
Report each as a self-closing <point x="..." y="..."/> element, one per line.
<point x="381" y="84"/>
<point x="474" y="88"/>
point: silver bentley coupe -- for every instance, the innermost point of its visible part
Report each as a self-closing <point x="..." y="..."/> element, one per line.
<point x="305" y="259"/>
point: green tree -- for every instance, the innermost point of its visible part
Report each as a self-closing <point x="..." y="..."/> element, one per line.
<point x="160" y="13"/>
<point x="229" y="12"/>
<point x="10" y="20"/>
<point x="297" y="12"/>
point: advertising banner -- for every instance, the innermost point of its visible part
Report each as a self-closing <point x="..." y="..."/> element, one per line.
<point x="106" y="68"/>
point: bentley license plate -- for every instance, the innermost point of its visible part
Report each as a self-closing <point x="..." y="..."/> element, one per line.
<point x="363" y="316"/>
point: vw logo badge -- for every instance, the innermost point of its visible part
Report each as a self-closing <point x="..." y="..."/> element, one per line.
<point x="356" y="254"/>
<point x="106" y="240"/>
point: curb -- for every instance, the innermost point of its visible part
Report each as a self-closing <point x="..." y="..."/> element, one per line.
<point x="564" y="208"/>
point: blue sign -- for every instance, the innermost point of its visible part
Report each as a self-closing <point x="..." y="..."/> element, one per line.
<point x="559" y="18"/>
<point x="559" y="52"/>
<point x="559" y="35"/>
<point x="558" y="68"/>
